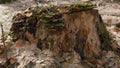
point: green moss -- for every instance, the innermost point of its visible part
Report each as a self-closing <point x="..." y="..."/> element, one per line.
<point x="104" y="36"/>
<point x="81" y="7"/>
<point x="52" y="16"/>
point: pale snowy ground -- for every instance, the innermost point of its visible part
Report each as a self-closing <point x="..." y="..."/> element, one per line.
<point x="6" y="14"/>
<point x="110" y="13"/>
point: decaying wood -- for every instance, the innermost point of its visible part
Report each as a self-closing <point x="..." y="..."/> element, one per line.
<point x="78" y="29"/>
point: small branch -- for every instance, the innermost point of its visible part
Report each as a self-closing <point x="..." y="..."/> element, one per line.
<point x="3" y="40"/>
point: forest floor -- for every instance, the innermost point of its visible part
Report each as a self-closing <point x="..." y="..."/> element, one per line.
<point x="110" y="13"/>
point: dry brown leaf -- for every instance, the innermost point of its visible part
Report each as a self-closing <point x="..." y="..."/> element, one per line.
<point x="13" y="60"/>
<point x="19" y="42"/>
<point x="30" y="37"/>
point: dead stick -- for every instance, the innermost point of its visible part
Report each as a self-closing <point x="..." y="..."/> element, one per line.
<point x="3" y="40"/>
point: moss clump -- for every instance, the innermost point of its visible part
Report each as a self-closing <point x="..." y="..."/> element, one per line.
<point x="51" y="17"/>
<point x="81" y="7"/>
<point x="104" y="36"/>
<point x="48" y="17"/>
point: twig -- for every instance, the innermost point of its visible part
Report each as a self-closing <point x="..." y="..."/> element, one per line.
<point x="3" y="40"/>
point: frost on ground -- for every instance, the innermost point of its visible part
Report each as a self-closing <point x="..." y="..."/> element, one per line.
<point x="6" y="14"/>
